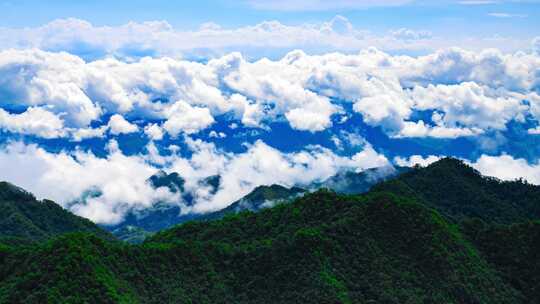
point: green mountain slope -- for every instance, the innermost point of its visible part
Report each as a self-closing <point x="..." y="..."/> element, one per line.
<point x="323" y="248"/>
<point x="23" y="218"/>
<point x="138" y="224"/>
<point x="441" y="234"/>
<point x="498" y="217"/>
<point x="459" y="192"/>
<point x="514" y="250"/>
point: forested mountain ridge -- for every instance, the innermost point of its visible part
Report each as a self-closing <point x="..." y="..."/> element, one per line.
<point x="139" y="224"/>
<point x="23" y="218"/>
<point x="403" y="242"/>
<point x="322" y="248"/>
<point x="136" y="227"/>
<point x="458" y="191"/>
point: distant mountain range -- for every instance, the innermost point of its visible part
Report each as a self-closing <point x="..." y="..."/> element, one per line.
<point x="440" y="234"/>
<point x="139" y="224"/>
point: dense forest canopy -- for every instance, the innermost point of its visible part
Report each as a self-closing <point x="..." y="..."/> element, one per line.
<point x="440" y="234"/>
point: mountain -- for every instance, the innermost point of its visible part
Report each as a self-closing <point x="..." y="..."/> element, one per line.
<point x="138" y="224"/>
<point x="142" y="223"/>
<point x="23" y="218"/>
<point x="322" y="248"/>
<point x="350" y="182"/>
<point x="162" y="216"/>
<point x="131" y="234"/>
<point x="513" y="250"/>
<point x="458" y="191"/>
<point x="499" y="217"/>
<point x="440" y="234"/>
<point x="260" y="198"/>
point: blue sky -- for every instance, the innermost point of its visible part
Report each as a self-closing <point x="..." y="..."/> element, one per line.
<point x="444" y="17"/>
<point x="100" y="95"/>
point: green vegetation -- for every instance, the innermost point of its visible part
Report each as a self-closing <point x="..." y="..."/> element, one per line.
<point x="421" y="238"/>
<point x="135" y="228"/>
<point x="24" y="219"/>
<point x="459" y="192"/>
<point x="131" y="234"/>
<point x="514" y="250"/>
<point x="499" y="217"/>
<point x="323" y="248"/>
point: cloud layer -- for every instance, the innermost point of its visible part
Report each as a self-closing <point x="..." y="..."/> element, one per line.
<point x="268" y="38"/>
<point x="176" y="112"/>
<point x="104" y="189"/>
<point x="448" y="94"/>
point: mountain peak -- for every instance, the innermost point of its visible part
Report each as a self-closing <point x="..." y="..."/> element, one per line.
<point x="173" y="181"/>
<point x="459" y="191"/>
<point x="23" y="217"/>
<point x="452" y="163"/>
<point x="272" y="192"/>
<point x="9" y="191"/>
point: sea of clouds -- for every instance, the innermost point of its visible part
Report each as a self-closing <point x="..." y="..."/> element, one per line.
<point x="71" y="81"/>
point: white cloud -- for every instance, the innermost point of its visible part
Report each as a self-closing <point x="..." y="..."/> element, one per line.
<point x="534" y="131"/>
<point x="268" y="38"/>
<point x="85" y="133"/>
<point x="416" y="160"/>
<point x="119" y="125"/>
<point x="507" y="15"/>
<point x="184" y="118"/>
<point x="507" y="167"/>
<point x="408" y="34"/>
<point x="34" y="121"/>
<point x="264" y="165"/>
<point x="154" y="131"/>
<point x="536" y="45"/>
<point x="308" y="120"/>
<point x="214" y="134"/>
<point x="64" y="177"/>
<point x="467" y="93"/>
<point x="119" y="182"/>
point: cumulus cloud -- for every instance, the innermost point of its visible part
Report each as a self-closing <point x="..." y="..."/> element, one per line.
<point x="214" y="134"/>
<point x="265" y="165"/>
<point x="465" y="93"/>
<point x="34" y="121"/>
<point x="507" y="167"/>
<point x="86" y="133"/>
<point x="113" y="184"/>
<point x="119" y="125"/>
<point x="184" y="118"/>
<point x="154" y="131"/>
